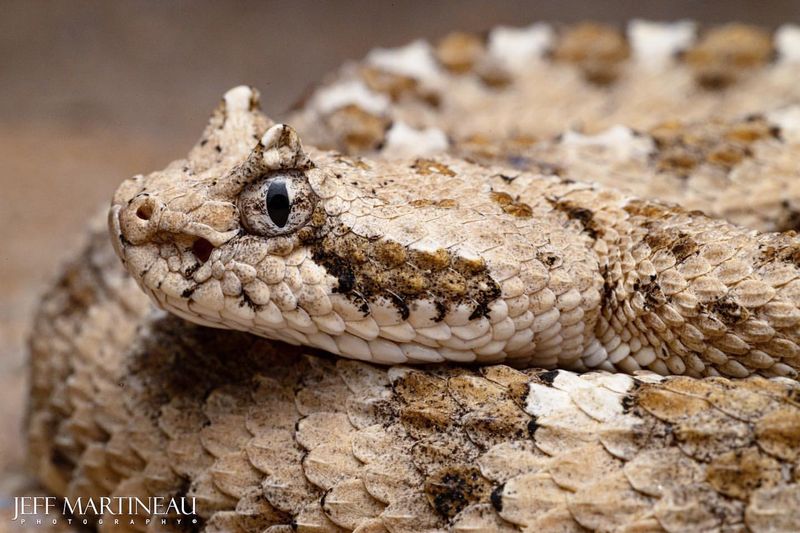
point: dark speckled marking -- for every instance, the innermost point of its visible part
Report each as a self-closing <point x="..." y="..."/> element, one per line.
<point x="628" y="402"/>
<point x="451" y="489"/>
<point x="548" y="377"/>
<point x="683" y="247"/>
<point x="728" y="310"/>
<point x="789" y="253"/>
<point x="370" y="270"/>
<point x="533" y="425"/>
<point x="654" y="296"/>
<point x="187" y="293"/>
<point x="679" y="244"/>
<point x="581" y="214"/>
<point x="497" y="498"/>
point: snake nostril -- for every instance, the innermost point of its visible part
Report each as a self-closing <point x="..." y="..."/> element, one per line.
<point x="202" y="249"/>
<point x="140" y="220"/>
<point x="145" y="211"/>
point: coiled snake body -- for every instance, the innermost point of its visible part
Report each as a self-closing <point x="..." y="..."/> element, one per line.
<point x="431" y="236"/>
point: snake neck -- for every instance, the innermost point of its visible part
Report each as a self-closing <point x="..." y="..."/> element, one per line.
<point x="686" y="294"/>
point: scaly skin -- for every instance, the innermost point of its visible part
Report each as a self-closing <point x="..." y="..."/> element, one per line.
<point x="128" y="401"/>
<point x="704" y="117"/>
<point x="537" y="82"/>
<point x="434" y="260"/>
<point x="271" y="437"/>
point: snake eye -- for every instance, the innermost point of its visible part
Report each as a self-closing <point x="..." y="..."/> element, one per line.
<point x="277" y="204"/>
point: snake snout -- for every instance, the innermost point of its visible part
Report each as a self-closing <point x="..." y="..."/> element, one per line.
<point x="139" y="220"/>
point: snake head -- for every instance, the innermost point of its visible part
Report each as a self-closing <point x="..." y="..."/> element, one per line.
<point x="380" y="260"/>
<point x="206" y="236"/>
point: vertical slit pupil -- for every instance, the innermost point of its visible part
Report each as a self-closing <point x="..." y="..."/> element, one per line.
<point x="278" y="205"/>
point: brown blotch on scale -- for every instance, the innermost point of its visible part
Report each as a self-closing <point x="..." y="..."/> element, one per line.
<point x="390" y="253"/>
<point x="678" y="243"/>
<point x="358" y="131"/>
<point x="752" y="129"/>
<point x="502" y="198"/>
<point x="596" y="49"/>
<point x="436" y="260"/>
<point x="666" y="405"/>
<point x="494" y="76"/>
<point x="318" y="216"/>
<point x="677" y="159"/>
<point x="458" y="52"/>
<point x="503" y="422"/>
<point x="350" y="248"/>
<point x="397" y="86"/>
<point x="518" y="392"/>
<point x="453" y="283"/>
<point x="453" y="488"/>
<point x="409" y="282"/>
<point x="514" y="151"/>
<point x="510" y="205"/>
<point x="306" y="233"/>
<point x="426" y="407"/>
<point x="582" y="215"/>
<point x="727" y="53"/>
<point x="651" y="210"/>
<point x="445" y="203"/>
<point x="728" y="156"/>
<point x="425" y="167"/>
<point x="683" y="247"/>
<point x="388" y="83"/>
<point x="469" y="266"/>
<point x="480" y="147"/>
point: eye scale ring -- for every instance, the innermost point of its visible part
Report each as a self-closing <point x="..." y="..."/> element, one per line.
<point x="278" y="204"/>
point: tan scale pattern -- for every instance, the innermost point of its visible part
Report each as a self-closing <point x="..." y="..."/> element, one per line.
<point x="267" y="438"/>
<point x="696" y="129"/>
<point x="739" y="170"/>
<point x="542" y="80"/>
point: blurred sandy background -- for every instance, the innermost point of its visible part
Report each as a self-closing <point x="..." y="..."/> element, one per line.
<point x="92" y="92"/>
